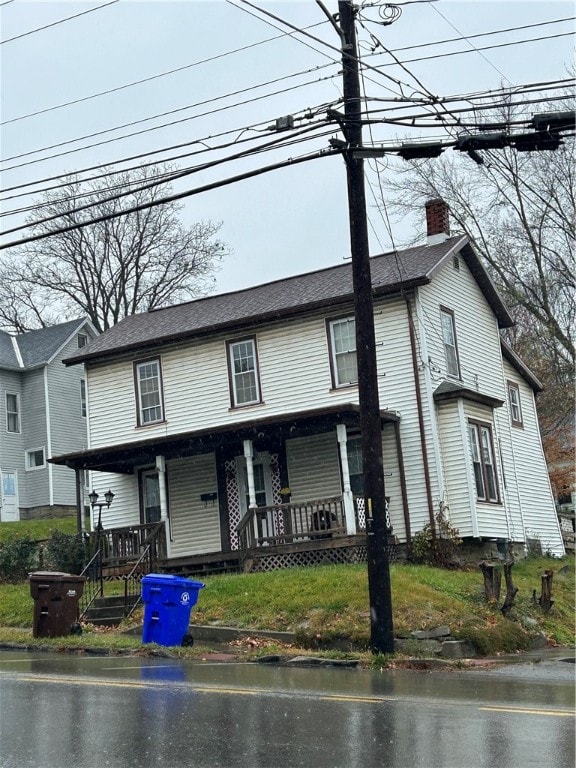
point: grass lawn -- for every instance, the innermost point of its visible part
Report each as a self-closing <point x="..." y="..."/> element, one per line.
<point x="39" y="530"/>
<point x="327" y="602"/>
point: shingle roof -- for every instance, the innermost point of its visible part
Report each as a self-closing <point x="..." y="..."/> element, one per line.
<point x="36" y="347"/>
<point x="331" y="286"/>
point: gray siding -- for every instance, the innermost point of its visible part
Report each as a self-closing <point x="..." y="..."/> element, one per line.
<point x="36" y="481"/>
<point x="313" y="467"/>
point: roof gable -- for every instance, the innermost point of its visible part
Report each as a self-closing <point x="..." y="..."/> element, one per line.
<point x="391" y="273"/>
<point x="34" y="349"/>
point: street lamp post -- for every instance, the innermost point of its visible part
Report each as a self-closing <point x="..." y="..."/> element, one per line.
<point x="108" y="497"/>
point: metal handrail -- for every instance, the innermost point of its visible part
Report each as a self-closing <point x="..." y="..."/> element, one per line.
<point x="132" y="578"/>
<point x="94" y="582"/>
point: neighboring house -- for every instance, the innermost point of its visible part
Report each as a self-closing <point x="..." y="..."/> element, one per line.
<point x="42" y="413"/>
<point x="234" y="418"/>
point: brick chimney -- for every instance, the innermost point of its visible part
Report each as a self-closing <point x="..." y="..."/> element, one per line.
<point x="437" y="221"/>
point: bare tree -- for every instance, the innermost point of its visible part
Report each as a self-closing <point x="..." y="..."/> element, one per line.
<point x="107" y="270"/>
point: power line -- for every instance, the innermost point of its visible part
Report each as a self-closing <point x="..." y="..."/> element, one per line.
<point x="155" y="128"/>
<point x="147" y="79"/>
<point x="55" y="23"/>
<point x="154" y="181"/>
<point x="175" y="197"/>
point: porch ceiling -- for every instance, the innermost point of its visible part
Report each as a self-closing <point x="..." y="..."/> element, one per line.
<point x="125" y="457"/>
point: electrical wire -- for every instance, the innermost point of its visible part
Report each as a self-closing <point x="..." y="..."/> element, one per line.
<point x="153" y="181"/>
<point x="60" y="21"/>
<point x="175" y="197"/>
<point x="179" y="109"/>
<point x="147" y="79"/>
<point x="155" y="128"/>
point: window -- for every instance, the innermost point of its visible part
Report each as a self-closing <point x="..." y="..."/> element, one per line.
<point x="82" y="397"/>
<point x="514" y="402"/>
<point x="482" y="450"/>
<point x="342" y="335"/>
<point x="35" y="459"/>
<point x="354" y="450"/>
<point x="449" y="339"/>
<point x="243" y="372"/>
<point x="149" y="392"/>
<point x="82" y="340"/>
<point x="12" y="413"/>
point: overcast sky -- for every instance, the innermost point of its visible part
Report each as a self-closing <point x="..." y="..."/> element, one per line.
<point x="233" y="72"/>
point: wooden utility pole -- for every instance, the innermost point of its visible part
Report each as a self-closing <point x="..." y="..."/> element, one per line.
<point x="381" y="627"/>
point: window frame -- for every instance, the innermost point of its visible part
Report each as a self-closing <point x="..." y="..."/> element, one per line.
<point x="32" y="451"/>
<point x="83" y="399"/>
<point x="82" y="340"/>
<point x="138" y="365"/>
<point x="478" y="459"/>
<point x="449" y="313"/>
<point x="334" y="373"/>
<point x="16" y="413"/>
<point x="513" y="387"/>
<point x="231" y="344"/>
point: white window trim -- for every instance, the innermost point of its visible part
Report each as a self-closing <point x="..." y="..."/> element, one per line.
<point x="17" y="412"/>
<point x="137" y="366"/>
<point x="83" y="399"/>
<point x="232" y="374"/>
<point x="334" y="355"/>
<point x="476" y="448"/>
<point x="452" y="345"/>
<point x="514" y="389"/>
<point x="36" y="466"/>
<point x="85" y="342"/>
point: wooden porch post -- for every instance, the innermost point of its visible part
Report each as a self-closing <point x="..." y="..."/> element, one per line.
<point x="347" y="490"/>
<point x="249" y="455"/>
<point x="161" y="468"/>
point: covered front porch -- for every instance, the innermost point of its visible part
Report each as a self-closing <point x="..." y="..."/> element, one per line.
<point x="255" y="495"/>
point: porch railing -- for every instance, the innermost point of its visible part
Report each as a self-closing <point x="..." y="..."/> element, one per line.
<point x="124" y="545"/>
<point x="290" y="523"/>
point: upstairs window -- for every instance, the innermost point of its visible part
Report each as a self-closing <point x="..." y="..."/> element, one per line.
<point x="482" y="452"/>
<point x="148" y="376"/>
<point x="342" y="338"/>
<point x="514" y="402"/>
<point x="243" y="372"/>
<point x="82" y="340"/>
<point x="12" y="413"/>
<point x="449" y="339"/>
<point x="82" y="397"/>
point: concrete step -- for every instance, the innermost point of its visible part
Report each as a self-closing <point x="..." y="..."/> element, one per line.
<point x="107" y="611"/>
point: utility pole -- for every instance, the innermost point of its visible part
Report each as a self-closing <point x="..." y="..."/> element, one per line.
<point x="381" y="627"/>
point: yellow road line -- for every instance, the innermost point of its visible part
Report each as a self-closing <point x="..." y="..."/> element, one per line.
<point x="526" y="711"/>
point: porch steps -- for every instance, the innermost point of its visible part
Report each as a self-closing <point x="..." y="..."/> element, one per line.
<point x="202" y="565"/>
<point x="106" y="611"/>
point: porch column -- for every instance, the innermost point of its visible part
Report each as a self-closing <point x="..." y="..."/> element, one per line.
<point x="161" y="469"/>
<point x="347" y="490"/>
<point x="249" y="455"/>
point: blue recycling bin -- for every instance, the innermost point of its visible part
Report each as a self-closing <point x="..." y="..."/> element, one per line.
<point x="168" y="601"/>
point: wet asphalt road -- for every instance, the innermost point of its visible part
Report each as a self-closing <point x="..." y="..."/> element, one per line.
<point x="125" y="712"/>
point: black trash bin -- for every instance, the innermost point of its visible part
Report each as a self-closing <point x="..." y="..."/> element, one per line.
<point x="56" y="597"/>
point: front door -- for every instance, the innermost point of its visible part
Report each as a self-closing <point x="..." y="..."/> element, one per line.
<point x="9" y="510"/>
<point x="150" y="496"/>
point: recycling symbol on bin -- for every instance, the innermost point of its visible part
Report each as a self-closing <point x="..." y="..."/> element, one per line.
<point x="185" y="598"/>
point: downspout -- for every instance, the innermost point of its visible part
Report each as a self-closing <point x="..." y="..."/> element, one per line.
<point x="402" y="471"/>
<point x="48" y="438"/>
<point x="420" y="417"/>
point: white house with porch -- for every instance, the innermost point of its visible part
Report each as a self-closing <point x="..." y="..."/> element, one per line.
<point x="232" y="421"/>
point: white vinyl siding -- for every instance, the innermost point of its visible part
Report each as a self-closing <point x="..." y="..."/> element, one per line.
<point x="321" y="453"/>
<point x="456" y="475"/>
<point x="195" y="524"/>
